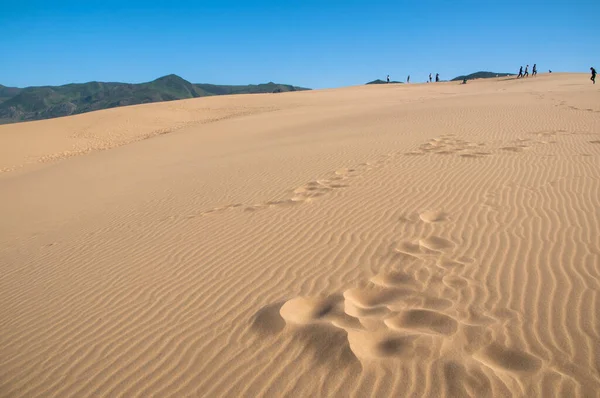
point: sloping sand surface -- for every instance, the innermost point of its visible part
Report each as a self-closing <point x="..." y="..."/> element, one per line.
<point x="432" y="240"/>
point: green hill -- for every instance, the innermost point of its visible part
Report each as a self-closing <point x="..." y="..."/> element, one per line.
<point x="379" y="81"/>
<point x="481" y="75"/>
<point x="35" y="103"/>
<point x="7" y="92"/>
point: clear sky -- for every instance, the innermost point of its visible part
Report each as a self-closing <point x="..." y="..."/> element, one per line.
<point x="311" y="43"/>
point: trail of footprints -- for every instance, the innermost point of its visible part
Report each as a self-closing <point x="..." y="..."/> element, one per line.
<point x="318" y="188"/>
<point x="409" y="312"/>
<point x="447" y="144"/>
<point x="564" y="105"/>
<point x="307" y="192"/>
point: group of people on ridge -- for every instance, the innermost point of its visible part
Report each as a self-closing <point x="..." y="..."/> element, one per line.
<point x="521" y="74"/>
<point x="526" y="74"/>
<point x="534" y="72"/>
<point x="437" y="78"/>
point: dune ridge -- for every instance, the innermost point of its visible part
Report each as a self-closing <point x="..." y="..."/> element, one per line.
<point x="424" y="240"/>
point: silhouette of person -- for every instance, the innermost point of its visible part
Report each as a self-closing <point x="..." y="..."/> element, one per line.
<point x="430" y="78"/>
<point x="437" y="77"/>
<point x="534" y="70"/>
<point x="526" y="74"/>
<point x="408" y="79"/>
<point x="593" y="78"/>
<point x="388" y="78"/>
<point x="520" y="72"/>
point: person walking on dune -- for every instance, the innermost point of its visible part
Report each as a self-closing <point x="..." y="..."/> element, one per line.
<point x="408" y="79"/>
<point x="388" y="78"/>
<point x="430" y="78"/>
<point x="534" y="70"/>
<point x="437" y="77"/>
<point x="526" y="74"/>
<point x="593" y="78"/>
<point x="520" y="73"/>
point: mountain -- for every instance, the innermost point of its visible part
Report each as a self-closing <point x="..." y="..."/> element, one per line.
<point x="7" y="92"/>
<point x="379" y="81"/>
<point x="481" y="75"/>
<point x="35" y="103"/>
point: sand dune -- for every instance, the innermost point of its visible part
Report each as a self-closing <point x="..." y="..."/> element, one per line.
<point x="433" y="240"/>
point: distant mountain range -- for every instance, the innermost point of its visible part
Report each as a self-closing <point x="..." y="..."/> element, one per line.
<point x="35" y="103"/>
<point x="379" y="81"/>
<point x="481" y="75"/>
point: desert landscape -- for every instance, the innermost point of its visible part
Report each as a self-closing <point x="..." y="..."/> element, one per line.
<point x="423" y="240"/>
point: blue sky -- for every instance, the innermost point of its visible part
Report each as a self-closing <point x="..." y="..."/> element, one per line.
<point x="317" y="44"/>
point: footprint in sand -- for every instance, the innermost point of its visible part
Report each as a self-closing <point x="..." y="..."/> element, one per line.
<point x="520" y="148"/>
<point x="455" y="282"/>
<point x="372" y="300"/>
<point x="286" y="202"/>
<point x="437" y="244"/>
<point x="381" y="345"/>
<point x="217" y="210"/>
<point x="376" y="326"/>
<point x="425" y="321"/>
<point x="410" y="249"/>
<point x="315" y="310"/>
<point x="448" y="264"/>
<point x="497" y="356"/>
<point x="396" y="279"/>
<point x="449" y="145"/>
<point x="313" y="189"/>
<point x="433" y="216"/>
<point x="307" y="310"/>
<point x="431" y="246"/>
<point x="373" y="330"/>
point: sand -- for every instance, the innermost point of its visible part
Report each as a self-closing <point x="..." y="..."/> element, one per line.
<point x="430" y="240"/>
